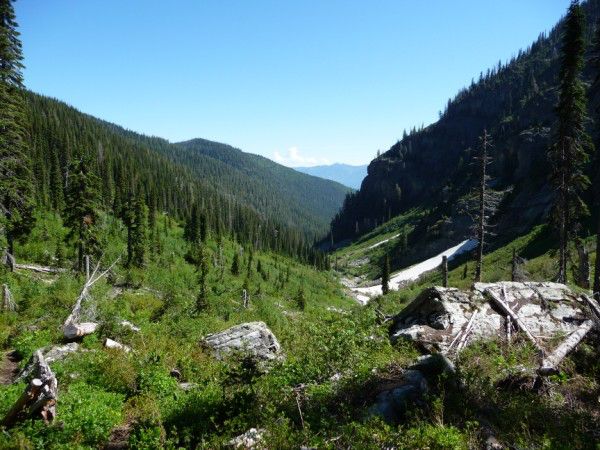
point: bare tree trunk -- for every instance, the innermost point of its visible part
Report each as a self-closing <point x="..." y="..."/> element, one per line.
<point x="597" y="266"/>
<point x="485" y="142"/>
<point x="8" y="303"/>
<point x="445" y="271"/>
<point x="506" y="310"/>
<point x="39" y="397"/>
<point x="584" y="266"/>
<point x="551" y="362"/>
<point x="87" y="267"/>
<point x="562" y="260"/>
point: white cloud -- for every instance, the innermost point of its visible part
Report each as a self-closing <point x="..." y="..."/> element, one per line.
<point x="293" y="158"/>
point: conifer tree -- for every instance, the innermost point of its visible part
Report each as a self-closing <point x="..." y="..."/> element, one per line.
<point x="56" y="183"/>
<point x="569" y="152"/>
<point x="235" y="265"/>
<point x="16" y="186"/>
<point x="82" y="213"/>
<point x="385" y="275"/>
<point x="137" y="231"/>
<point x="594" y="95"/>
<point x="203" y="267"/>
<point x="300" y="299"/>
<point x="250" y="260"/>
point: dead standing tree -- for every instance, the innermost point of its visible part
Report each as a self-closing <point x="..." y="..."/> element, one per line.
<point x="486" y="202"/>
<point x="73" y="327"/>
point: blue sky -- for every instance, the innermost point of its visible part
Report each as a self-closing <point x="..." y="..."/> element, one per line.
<point x="302" y="82"/>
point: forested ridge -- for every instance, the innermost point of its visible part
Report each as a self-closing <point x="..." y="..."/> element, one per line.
<point x="126" y="162"/>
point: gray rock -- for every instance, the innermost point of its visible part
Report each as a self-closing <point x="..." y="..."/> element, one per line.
<point x="251" y="439"/>
<point x="438" y="317"/>
<point x="391" y="404"/>
<point x="433" y="365"/>
<point x="252" y="337"/>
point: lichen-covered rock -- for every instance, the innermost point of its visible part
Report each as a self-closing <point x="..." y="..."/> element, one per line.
<point x="251" y="439"/>
<point x="252" y="337"/>
<point x="438" y="318"/>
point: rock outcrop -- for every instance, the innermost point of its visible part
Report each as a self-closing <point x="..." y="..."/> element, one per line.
<point x="252" y="337"/>
<point x="447" y="319"/>
<point x="444" y="320"/>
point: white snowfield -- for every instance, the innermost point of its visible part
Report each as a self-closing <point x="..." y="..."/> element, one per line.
<point x="364" y="294"/>
<point x="383" y="242"/>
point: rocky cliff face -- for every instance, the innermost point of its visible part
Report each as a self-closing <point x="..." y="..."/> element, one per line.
<point x="432" y="167"/>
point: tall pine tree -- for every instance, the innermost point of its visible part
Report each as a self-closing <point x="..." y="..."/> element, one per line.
<point x="569" y="153"/>
<point x="594" y="95"/>
<point x="81" y="215"/>
<point x="203" y="267"/>
<point x="385" y="275"/>
<point x="16" y="187"/>
<point x="136" y="220"/>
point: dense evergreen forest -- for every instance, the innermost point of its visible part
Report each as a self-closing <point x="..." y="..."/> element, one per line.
<point x="127" y="164"/>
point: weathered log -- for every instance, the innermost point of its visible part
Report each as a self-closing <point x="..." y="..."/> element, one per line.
<point x="506" y="310"/>
<point x="8" y="303"/>
<point x="39" y="269"/>
<point x="593" y="304"/>
<point x="550" y="363"/>
<point x="463" y="339"/>
<point x="8" y="260"/>
<point x="72" y="328"/>
<point x="51" y="354"/>
<point x="30" y="393"/>
<point x="39" y="397"/>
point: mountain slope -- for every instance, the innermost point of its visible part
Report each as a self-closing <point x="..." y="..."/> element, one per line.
<point x="345" y="174"/>
<point x="127" y="162"/>
<point x="273" y="192"/>
<point x="430" y="168"/>
<point x="268" y="187"/>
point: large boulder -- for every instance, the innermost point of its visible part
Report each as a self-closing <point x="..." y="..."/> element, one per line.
<point x="252" y="337"/>
<point x="438" y="317"/>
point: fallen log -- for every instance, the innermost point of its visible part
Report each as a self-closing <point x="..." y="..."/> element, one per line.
<point x="550" y="363"/>
<point x="506" y="310"/>
<point x="463" y="340"/>
<point x="39" y="269"/>
<point x="73" y="328"/>
<point x="39" y="397"/>
<point x="29" y="394"/>
<point x="593" y="304"/>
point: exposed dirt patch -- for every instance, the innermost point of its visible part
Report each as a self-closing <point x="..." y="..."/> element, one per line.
<point x="9" y="367"/>
<point x="119" y="438"/>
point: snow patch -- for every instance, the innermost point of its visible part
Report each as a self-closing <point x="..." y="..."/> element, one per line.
<point x="364" y="294"/>
<point x="383" y="242"/>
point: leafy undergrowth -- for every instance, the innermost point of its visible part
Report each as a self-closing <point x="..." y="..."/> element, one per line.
<point x="337" y="354"/>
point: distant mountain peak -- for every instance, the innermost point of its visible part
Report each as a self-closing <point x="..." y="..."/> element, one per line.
<point x="346" y="174"/>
